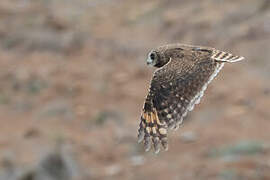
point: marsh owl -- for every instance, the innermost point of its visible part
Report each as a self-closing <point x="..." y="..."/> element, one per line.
<point x="183" y="73"/>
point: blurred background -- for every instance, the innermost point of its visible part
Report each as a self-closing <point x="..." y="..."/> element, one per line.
<point x="73" y="78"/>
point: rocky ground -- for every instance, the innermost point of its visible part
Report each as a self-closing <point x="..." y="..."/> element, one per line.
<point x="73" y="78"/>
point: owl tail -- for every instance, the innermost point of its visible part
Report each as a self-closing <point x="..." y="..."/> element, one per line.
<point x="222" y="56"/>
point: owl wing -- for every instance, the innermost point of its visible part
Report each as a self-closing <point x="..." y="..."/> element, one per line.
<point x="171" y="95"/>
<point x="220" y="56"/>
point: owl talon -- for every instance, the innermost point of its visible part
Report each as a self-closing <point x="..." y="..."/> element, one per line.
<point x="157" y="151"/>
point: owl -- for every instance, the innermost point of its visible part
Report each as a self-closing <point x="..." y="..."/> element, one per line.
<point x="182" y="75"/>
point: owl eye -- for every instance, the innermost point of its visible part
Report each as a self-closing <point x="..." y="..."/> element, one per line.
<point x="152" y="56"/>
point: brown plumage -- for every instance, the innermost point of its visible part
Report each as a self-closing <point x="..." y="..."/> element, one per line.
<point x="177" y="85"/>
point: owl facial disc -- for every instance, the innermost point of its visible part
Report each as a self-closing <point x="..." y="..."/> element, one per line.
<point x="152" y="58"/>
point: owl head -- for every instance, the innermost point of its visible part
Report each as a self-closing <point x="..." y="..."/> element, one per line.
<point x="162" y="55"/>
<point x="157" y="59"/>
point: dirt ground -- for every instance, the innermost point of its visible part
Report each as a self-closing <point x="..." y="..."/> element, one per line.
<point x="73" y="78"/>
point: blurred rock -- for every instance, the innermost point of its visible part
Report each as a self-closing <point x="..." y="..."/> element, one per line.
<point x="54" y="166"/>
<point x="58" y="164"/>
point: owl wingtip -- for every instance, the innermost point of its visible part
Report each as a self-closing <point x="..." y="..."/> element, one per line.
<point x="151" y="131"/>
<point x="147" y="149"/>
<point x="166" y="148"/>
<point x="226" y="57"/>
<point x="157" y="151"/>
<point x="140" y="140"/>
